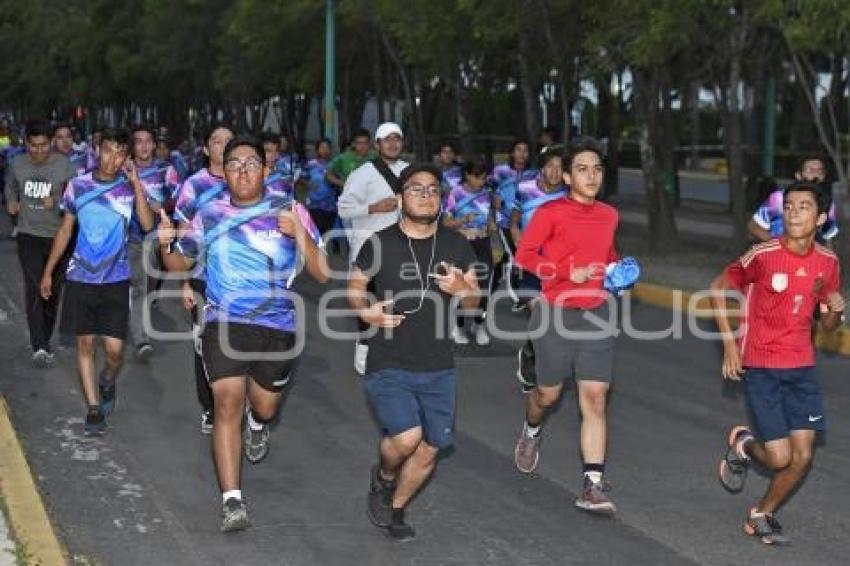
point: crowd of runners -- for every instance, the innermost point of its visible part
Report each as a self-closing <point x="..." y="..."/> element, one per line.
<point x="100" y="223"/>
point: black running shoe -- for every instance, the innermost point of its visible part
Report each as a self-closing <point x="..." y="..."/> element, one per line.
<point x="95" y="424"/>
<point x="732" y="470"/>
<point x="398" y="528"/>
<point x="107" y="396"/>
<point x="379" y="508"/>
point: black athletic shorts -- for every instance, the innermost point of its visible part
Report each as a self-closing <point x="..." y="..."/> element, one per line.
<point x="245" y="339"/>
<point x="102" y="309"/>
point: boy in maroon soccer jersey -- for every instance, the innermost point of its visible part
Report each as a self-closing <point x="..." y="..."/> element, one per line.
<point x="784" y="279"/>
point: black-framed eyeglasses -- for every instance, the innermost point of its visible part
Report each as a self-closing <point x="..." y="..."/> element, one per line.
<point x="249" y="164"/>
<point x="422" y="190"/>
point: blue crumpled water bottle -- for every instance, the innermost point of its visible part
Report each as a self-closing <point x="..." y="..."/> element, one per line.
<point x="621" y="275"/>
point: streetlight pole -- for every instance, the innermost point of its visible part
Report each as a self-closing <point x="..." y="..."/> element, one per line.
<point x="330" y="75"/>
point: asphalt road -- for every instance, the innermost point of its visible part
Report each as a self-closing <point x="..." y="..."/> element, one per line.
<point x="146" y="493"/>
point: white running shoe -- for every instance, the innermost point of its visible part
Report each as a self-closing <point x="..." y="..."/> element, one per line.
<point x="459" y="337"/>
<point x="361" y="352"/>
<point x="482" y="338"/>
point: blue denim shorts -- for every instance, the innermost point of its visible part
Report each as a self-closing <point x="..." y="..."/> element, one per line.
<point x="404" y="399"/>
<point x="782" y="400"/>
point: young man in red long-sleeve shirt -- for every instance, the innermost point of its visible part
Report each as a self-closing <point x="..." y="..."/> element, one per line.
<point x="785" y="280"/>
<point x="568" y="244"/>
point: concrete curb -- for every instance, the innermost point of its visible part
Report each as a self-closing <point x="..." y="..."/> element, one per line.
<point x="836" y="342"/>
<point x="27" y="515"/>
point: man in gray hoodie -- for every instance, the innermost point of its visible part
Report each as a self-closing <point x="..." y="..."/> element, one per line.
<point x="34" y="185"/>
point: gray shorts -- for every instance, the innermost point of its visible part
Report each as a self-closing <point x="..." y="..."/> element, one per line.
<point x="569" y="346"/>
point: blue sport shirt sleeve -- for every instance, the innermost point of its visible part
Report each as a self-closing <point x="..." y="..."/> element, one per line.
<point x="184" y="209"/>
<point x="830" y="229"/>
<point x="307" y="222"/>
<point x="67" y="203"/>
<point x="189" y="244"/>
<point x="762" y="217"/>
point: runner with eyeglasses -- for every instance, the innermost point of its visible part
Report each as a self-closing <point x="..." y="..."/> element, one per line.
<point x="411" y="377"/>
<point x="252" y="243"/>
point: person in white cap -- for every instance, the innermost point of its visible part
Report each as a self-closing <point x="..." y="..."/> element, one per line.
<point x="369" y="204"/>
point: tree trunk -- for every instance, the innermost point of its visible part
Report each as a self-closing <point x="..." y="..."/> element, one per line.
<point x="662" y="224"/>
<point x="404" y="74"/>
<point x="753" y="132"/>
<point x="667" y="149"/>
<point x="837" y="84"/>
<point x="609" y="130"/>
<point x="564" y="94"/>
<point x="529" y="93"/>
<point x="378" y="76"/>
<point x="462" y="112"/>
<point x="693" y="116"/>
<point x="732" y="136"/>
<point x="302" y="114"/>
<point x="286" y="112"/>
<point x="420" y="139"/>
<point x="830" y="139"/>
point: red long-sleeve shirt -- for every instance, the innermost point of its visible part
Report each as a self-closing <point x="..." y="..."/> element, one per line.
<point x="565" y="234"/>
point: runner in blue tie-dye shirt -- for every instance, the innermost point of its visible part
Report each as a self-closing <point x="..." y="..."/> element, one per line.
<point x="469" y="209"/>
<point x="767" y="222"/>
<point x="251" y="245"/>
<point x="206" y="185"/>
<point x="152" y="174"/>
<point x="103" y="204"/>
<point x="530" y="195"/>
<point x="288" y="161"/>
<point x="322" y="195"/>
<point x="176" y="171"/>
<point x="451" y="169"/>
<point x="279" y="185"/>
<point x="93" y="150"/>
<point x="504" y="179"/>
<point x="278" y="158"/>
<point x="63" y="142"/>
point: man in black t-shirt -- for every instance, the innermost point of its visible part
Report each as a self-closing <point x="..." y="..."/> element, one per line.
<point x="421" y="272"/>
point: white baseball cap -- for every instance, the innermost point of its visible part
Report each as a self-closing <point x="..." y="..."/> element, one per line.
<point x="387" y="129"/>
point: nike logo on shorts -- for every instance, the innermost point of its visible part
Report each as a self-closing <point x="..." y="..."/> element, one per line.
<point x="815" y="419"/>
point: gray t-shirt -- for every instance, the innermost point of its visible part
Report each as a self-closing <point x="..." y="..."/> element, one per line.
<point x="29" y="184"/>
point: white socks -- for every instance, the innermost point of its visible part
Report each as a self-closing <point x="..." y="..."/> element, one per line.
<point x="532" y="431"/>
<point x="233" y="493"/>
<point x="255" y="426"/>
<point x="595" y="477"/>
